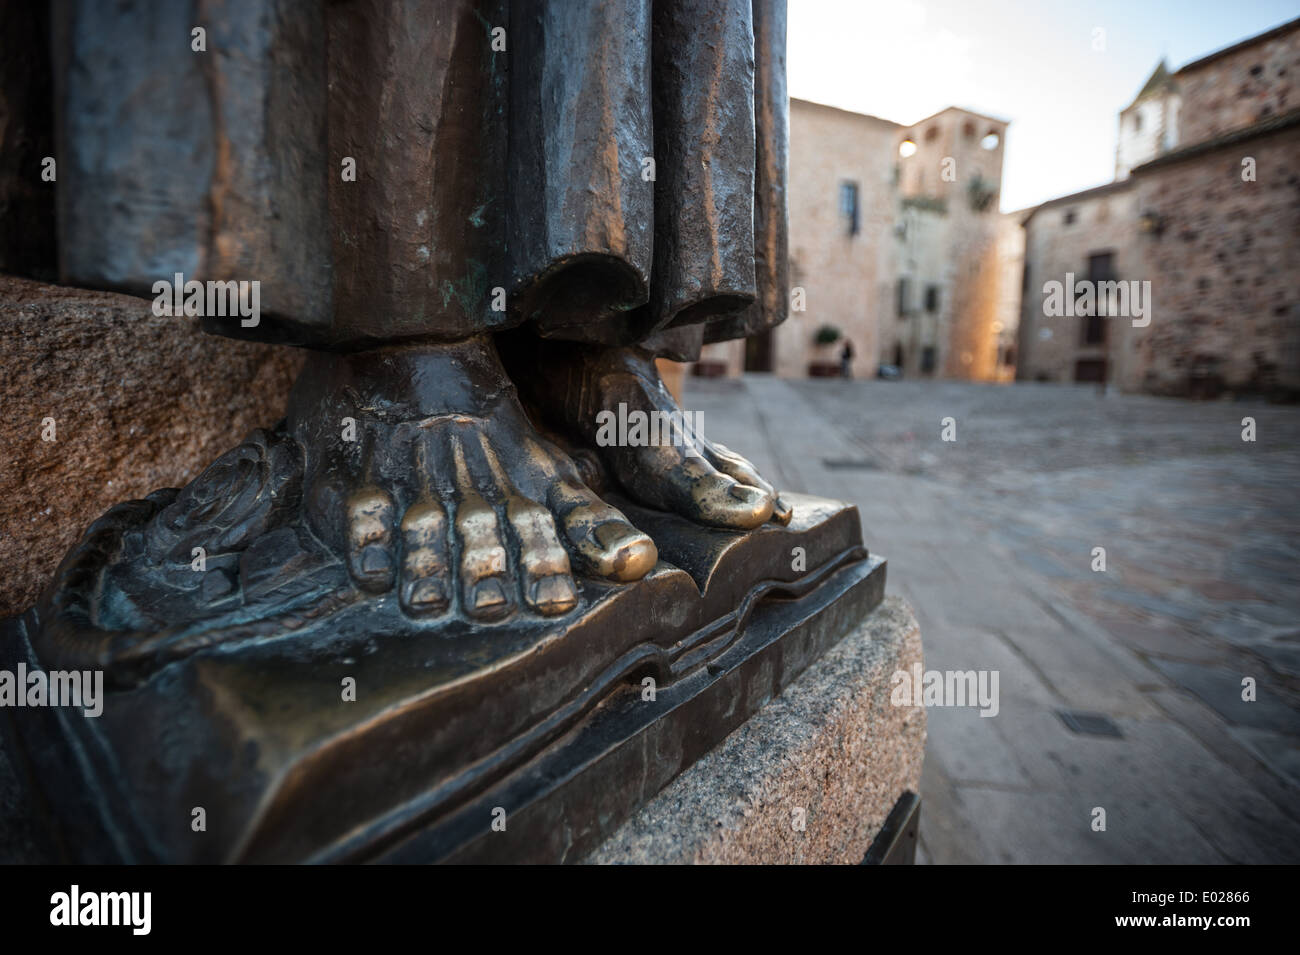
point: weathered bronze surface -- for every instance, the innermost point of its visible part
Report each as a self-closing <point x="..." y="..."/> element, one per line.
<point x="432" y="590"/>
<point x="645" y="201"/>
<point x="616" y="168"/>
<point x="448" y="714"/>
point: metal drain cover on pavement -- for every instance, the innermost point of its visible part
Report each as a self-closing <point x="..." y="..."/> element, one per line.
<point x="849" y="464"/>
<point x="1089" y="724"/>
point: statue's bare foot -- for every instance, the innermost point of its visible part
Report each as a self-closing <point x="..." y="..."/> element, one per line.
<point x="591" y="392"/>
<point x="423" y="471"/>
<point x="408" y="468"/>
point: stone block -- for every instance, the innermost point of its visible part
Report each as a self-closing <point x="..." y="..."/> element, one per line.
<point x="832" y="745"/>
<point x="139" y="402"/>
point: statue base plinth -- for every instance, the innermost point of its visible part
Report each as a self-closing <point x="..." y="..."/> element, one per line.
<point x="812" y="778"/>
<point x="527" y="741"/>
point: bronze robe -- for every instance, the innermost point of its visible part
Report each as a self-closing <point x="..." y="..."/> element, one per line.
<point x="612" y="171"/>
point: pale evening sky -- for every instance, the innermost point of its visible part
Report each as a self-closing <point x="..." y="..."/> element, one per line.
<point x="1028" y="61"/>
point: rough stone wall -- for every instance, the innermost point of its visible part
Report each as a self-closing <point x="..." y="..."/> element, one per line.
<point x="1220" y="253"/>
<point x="972" y="342"/>
<point x="1223" y="269"/>
<point x="847" y="278"/>
<point x="950" y="162"/>
<point x="731" y="354"/>
<point x="923" y="261"/>
<point x="955" y="133"/>
<point x="851" y="281"/>
<point x="138" y="403"/>
<point x="832" y="751"/>
<point x="1050" y="347"/>
<point x="1009" y="262"/>
<point x="1240" y="88"/>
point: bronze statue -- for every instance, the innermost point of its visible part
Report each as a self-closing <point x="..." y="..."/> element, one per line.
<point x="485" y="219"/>
<point x="612" y="173"/>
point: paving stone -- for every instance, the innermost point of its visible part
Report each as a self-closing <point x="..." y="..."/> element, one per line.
<point x="990" y="540"/>
<point x="1163" y="640"/>
<point x="1283" y="658"/>
<point x="1281" y="751"/>
<point x="1233" y="747"/>
<point x="1225" y="590"/>
<point x="970" y="749"/>
<point x="947" y="829"/>
<point x="1222" y="689"/>
<point x="1158" y="607"/>
<point x="1045" y="564"/>
<point x="1164" y="762"/>
<point x="1035" y="828"/>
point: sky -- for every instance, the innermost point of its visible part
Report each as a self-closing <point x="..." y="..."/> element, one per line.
<point x="1032" y="62"/>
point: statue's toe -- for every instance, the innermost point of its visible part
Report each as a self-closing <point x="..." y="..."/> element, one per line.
<point x="547" y="581"/>
<point x="371" y="516"/>
<point x="484" y="565"/>
<point x="603" y="542"/>
<point x="425" y="589"/>
<point x="722" y="501"/>
<point x="739" y="467"/>
<point x="684" y="480"/>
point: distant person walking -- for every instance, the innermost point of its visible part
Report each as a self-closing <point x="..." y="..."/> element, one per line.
<point x="846" y="359"/>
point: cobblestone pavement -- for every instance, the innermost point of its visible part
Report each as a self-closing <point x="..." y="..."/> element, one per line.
<point x="991" y="538"/>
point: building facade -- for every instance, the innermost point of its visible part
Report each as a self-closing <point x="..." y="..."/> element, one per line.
<point x="894" y="242"/>
<point x="950" y="173"/>
<point x="1148" y="127"/>
<point x="1089" y="236"/>
<point x="1205" y="216"/>
<point x="843" y="212"/>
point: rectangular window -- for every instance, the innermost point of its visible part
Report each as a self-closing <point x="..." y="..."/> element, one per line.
<point x="1101" y="266"/>
<point x="903" y="295"/>
<point x="932" y="298"/>
<point x="849" y="206"/>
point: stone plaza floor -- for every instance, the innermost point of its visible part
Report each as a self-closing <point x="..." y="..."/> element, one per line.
<point x="991" y="537"/>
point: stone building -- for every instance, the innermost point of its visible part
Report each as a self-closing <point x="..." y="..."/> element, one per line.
<point x="843" y="210"/>
<point x="1091" y="236"/>
<point x="1208" y="214"/>
<point x="894" y="238"/>
<point x="1148" y="126"/>
<point x="1223" y="256"/>
<point x="950" y="173"/>
<point x="843" y="201"/>
<point x="1010" y="269"/>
